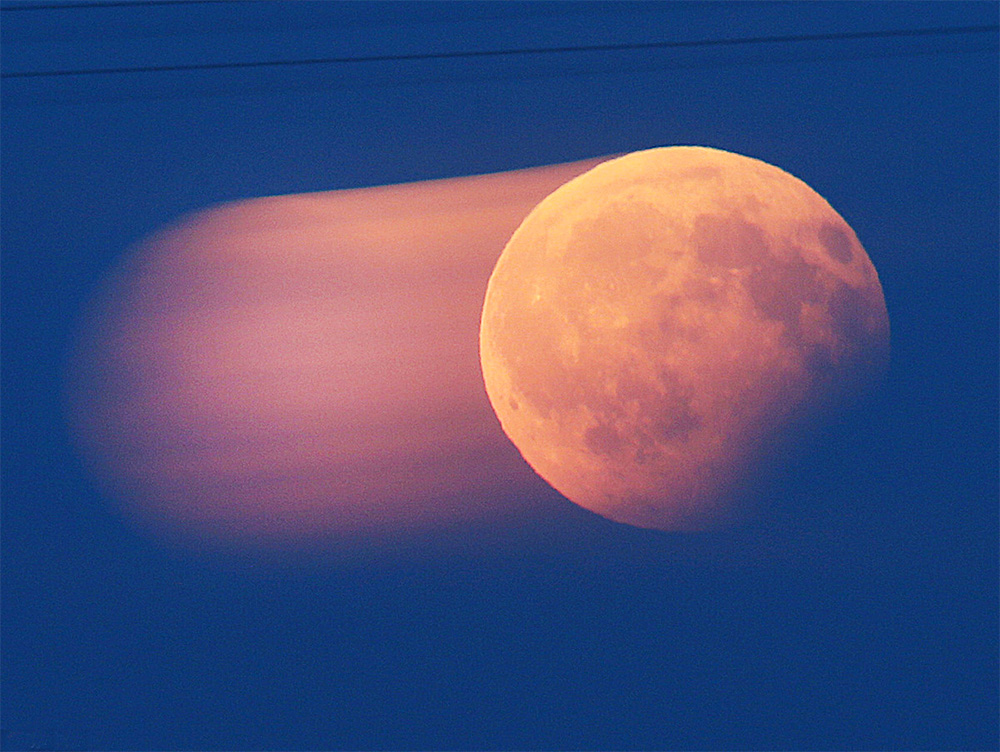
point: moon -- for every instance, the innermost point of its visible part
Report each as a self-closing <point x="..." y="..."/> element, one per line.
<point x="662" y="327"/>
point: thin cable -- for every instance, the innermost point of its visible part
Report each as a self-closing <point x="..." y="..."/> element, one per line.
<point x="842" y="36"/>
<point x="115" y="4"/>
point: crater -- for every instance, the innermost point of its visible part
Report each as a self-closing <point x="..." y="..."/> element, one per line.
<point x="778" y="290"/>
<point x="621" y="234"/>
<point x="675" y="422"/>
<point x="836" y="242"/>
<point x="728" y="241"/>
<point x="848" y="310"/>
<point x="603" y="439"/>
<point x="680" y="315"/>
<point x="641" y="416"/>
<point x="667" y="414"/>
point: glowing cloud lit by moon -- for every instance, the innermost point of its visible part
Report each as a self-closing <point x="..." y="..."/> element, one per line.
<point x="283" y="369"/>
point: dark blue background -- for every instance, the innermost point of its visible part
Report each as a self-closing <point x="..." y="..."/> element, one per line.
<point x="567" y="631"/>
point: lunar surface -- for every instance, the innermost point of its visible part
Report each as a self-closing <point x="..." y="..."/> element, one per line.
<point x="660" y="326"/>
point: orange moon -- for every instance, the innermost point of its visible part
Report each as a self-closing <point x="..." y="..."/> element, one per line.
<point x="659" y="329"/>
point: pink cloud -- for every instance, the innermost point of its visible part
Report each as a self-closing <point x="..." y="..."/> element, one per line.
<point x="288" y="368"/>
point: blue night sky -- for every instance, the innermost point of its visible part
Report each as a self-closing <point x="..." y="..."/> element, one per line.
<point x="564" y="630"/>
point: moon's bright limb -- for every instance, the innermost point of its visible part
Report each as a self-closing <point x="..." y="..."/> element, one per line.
<point x="658" y="321"/>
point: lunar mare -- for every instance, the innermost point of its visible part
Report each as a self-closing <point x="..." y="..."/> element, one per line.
<point x="657" y="327"/>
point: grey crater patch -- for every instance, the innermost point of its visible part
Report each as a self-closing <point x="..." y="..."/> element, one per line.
<point x="642" y="417"/>
<point x="837" y="243"/>
<point x="672" y="418"/>
<point x="779" y="288"/>
<point x="728" y="241"/>
<point x="603" y="439"/>
<point x="850" y="314"/>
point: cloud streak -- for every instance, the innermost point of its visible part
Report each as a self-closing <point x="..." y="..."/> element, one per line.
<point x="289" y="368"/>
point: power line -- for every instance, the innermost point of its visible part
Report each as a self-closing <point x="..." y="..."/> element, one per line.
<point x="841" y="36"/>
<point x="114" y="4"/>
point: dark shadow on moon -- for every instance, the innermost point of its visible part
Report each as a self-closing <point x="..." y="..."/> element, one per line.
<point x="836" y="243"/>
<point x="729" y="242"/>
<point x="640" y="417"/>
<point x="809" y="507"/>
